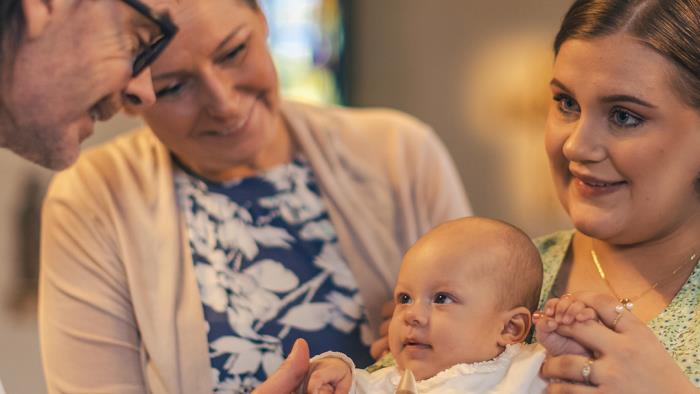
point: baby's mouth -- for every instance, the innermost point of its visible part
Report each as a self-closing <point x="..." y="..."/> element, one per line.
<point x="415" y="344"/>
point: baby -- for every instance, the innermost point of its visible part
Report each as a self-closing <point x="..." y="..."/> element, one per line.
<point x="464" y="300"/>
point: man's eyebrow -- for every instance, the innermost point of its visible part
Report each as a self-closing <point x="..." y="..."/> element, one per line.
<point x="141" y="22"/>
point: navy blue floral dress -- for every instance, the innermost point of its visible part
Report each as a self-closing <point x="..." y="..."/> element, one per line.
<point x="269" y="270"/>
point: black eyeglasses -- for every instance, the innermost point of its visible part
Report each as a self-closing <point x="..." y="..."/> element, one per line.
<point x="167" y="28"/>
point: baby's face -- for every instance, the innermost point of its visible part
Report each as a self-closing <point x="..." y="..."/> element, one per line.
<point x="446" y="312"/>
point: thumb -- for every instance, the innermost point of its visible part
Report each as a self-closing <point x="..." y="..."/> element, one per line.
<point x="290" y="374"/>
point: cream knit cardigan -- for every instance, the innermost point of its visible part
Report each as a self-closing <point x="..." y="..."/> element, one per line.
<point x="120" y="310"/>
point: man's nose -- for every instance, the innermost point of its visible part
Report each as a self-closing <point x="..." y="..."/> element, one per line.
<point x="139" y="91"/>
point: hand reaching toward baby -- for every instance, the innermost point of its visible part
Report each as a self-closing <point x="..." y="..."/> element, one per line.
<point x="329" y="375"/>
<point x="562" y="311"/>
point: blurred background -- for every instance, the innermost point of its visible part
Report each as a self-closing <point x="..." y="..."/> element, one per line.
<point x="475" y="70"/>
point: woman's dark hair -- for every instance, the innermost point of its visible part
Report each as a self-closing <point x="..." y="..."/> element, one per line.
<point x="670" y="27"/>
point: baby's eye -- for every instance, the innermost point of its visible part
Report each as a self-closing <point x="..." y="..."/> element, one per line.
<point x="403" y="298"/>
<point x="442" y="298"/>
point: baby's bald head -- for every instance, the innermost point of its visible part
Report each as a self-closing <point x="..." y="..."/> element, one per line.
<point x="489" y="250"/>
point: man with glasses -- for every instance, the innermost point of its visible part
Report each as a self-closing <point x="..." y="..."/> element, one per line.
<point x="65" y="64"/>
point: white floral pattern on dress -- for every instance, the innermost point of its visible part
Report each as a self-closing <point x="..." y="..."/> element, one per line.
<point x="269" y="269"/>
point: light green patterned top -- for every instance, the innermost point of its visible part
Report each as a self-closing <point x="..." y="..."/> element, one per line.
<point x="677" y="327"/>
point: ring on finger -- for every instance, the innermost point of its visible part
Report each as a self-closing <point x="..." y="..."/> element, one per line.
<point x="586" y="371"/>
<point x="620" y="310"/>
<point x="616" y="320"/>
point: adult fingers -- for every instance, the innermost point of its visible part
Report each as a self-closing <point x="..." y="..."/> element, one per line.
<point x="591" y="335"/>
<point x="574" y="368"/>
<point x="611" y="312"/>
<point x="384" y="328"/>
<point x="290" y="374"/>
<point x="387" y="310"/>
<point x="379" y="348"/>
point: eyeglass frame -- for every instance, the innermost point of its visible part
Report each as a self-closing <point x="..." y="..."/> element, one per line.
<point x="167" y="27"/>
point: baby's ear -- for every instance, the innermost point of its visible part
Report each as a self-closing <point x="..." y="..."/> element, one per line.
<point x="517" y="326"/>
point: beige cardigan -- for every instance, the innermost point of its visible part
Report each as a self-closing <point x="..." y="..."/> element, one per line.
<point x="120" y="310"/>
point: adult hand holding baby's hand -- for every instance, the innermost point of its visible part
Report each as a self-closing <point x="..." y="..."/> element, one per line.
<point x="329" y="375"/>
<point x="380" y="347"/>
<point x="561" y="311"/>
<point x="629" y="356"/>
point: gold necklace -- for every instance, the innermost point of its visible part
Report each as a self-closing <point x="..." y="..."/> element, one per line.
<point x="628" y="302"/>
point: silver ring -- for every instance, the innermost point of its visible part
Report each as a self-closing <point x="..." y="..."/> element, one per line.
<point x="586" y="371"/>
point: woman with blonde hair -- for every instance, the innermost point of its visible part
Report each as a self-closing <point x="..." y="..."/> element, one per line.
<point x="187" y="257"/>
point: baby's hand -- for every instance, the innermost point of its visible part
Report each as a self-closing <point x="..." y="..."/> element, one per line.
<point x="329" y="375"/>
<point x="562" y="311"/>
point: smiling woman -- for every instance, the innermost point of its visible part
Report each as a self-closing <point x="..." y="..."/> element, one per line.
<point x="622" y="137"/>
<point x="621" y="140"/>
<point x="237" y="222"/>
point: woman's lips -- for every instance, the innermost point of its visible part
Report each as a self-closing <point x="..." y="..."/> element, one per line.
<point x="589" y="187"/>
<point x="232" y="129"/>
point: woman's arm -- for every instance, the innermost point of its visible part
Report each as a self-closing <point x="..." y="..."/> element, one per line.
<point x="629" y="357"/>
<point x="89" y="336"/>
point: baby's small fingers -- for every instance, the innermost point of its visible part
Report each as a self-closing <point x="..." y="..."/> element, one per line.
<point x="344" y="386"/>
<point x="318" y="382"/>
<point x="546" y="325"/>
<point x="572" y="311"/>
<point x="313" y="384"/>
<point x="562" y="307"/>
<point x="550" y="306"/>
<point x="325" y="389"/>
<point x="587" y="314"/>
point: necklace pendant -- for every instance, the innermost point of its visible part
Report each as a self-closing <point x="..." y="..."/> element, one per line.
<point x="627" y="303"/>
